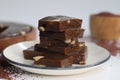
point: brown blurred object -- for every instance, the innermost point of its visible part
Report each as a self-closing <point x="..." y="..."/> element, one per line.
<point x="105" y="26"/>
<point x="111" y="45"/>
<point x="14" y="33"/>
<point x="105" y="31"/>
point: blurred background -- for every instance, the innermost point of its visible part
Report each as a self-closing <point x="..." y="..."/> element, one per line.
<point x="30" y="11"/>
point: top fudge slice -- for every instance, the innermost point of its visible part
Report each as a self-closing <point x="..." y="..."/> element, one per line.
<point x="58" y="23"/>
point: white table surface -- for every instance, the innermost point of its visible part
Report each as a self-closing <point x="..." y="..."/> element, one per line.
<point x="110" y="70"/>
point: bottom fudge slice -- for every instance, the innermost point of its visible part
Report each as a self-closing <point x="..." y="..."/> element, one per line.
<point x="48" y="59"/>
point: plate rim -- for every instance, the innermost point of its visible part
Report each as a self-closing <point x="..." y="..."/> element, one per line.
<point x="52" y="68"/>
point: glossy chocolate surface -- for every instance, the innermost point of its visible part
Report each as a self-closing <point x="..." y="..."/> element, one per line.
<point x="59" y="23"/>
<point x="10" y="29"/>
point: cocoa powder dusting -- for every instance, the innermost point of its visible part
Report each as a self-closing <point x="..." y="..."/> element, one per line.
<point x="9" y="72"/>
<point x="3" y="73"/>
<point x="113" y="46"/>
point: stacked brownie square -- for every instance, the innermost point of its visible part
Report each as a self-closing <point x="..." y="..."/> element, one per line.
<point x="59" y="45"/>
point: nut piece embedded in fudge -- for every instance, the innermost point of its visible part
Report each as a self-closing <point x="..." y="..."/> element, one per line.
<point x="58" y="23"/>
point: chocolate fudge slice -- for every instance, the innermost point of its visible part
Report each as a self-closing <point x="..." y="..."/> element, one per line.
<point x="53" y="61"/>
<point x="30" y="53"/>
<point x="61" y="50"/>
<point x="45" y="41"/>
<point x="58" y="23"/>
<point x="48" y="59"/>
<point x="77" y="58"/>
<point x="65" y="35"/>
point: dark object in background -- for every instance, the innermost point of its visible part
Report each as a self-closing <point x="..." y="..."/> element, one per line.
<point x="11" y="32"/>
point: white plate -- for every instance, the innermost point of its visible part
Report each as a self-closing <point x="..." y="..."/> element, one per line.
<point x="14" y="55"/>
